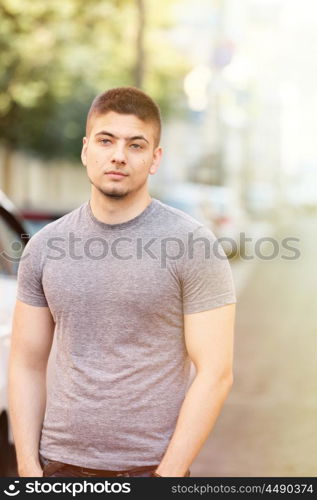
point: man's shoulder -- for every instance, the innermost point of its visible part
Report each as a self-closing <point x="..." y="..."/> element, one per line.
<point x="177" y="219"/>
<point x="59" y="226"/>
<point x="177" y="224"/>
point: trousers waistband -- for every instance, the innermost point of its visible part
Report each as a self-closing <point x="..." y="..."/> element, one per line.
<point x="53" y="466"/>
<point x="112" y="473"/>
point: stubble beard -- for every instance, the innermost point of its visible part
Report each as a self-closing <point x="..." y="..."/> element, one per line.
<point x="111" y="192"/>
<point x="117" y="192"/>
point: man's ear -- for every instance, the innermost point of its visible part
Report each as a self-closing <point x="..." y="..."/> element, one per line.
<point x="84" y="151"/>
<point x="156" y="160"/>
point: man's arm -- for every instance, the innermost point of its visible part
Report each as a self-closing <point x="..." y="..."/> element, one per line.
<point x="32" y="336"/>
<point x="209" y="342"/>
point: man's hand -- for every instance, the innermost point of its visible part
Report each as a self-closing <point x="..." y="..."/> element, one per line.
<point x="30" y="470"/>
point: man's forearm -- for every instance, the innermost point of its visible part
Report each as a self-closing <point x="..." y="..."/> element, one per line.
<point x="197" y="416"/>
<point x="27" y="399"/>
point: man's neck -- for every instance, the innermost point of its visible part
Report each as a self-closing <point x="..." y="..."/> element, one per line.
<point x="114" y="210"/>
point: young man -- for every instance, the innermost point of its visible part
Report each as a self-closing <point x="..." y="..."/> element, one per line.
<point x="133" y="290"/>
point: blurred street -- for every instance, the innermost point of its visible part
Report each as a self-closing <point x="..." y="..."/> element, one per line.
<point x="267" y="426"/>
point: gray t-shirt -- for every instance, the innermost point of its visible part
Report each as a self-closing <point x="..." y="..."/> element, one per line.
<point x="118" y="294"/>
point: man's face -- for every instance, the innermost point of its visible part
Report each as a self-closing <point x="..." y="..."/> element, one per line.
<point x="120" y="153"/>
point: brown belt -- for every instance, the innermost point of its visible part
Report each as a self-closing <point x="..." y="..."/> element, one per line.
<point x="52" y="467"/>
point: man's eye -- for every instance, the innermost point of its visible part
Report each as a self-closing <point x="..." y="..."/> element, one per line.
<point x="136" y="146"/>
<point x="105" y="141"/>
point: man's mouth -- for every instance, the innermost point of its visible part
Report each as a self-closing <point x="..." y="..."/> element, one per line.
<point x="115" y="173"/>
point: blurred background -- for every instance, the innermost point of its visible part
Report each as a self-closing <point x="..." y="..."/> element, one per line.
<point x="235" y="80"/>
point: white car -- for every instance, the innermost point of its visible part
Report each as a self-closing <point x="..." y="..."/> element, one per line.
<point x="13" y="238"/>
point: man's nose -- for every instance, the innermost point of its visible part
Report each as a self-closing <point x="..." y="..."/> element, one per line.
<point x="119" y="154"/>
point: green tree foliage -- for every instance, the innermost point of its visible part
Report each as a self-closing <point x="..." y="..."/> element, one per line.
<point x="56" y="55"/>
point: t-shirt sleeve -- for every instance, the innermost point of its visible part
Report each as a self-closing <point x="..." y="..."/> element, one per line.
<point x="207" y="280"/>
<point x="30" y="288"/>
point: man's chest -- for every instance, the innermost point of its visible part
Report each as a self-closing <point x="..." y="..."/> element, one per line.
<point x="120" y="287"/>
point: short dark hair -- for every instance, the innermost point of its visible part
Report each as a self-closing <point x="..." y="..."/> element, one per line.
<point x="127" y="101"/>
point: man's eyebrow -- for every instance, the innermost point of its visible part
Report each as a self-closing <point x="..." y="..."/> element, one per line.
<point x="104" y="132"/>
<point x="133" y="138"/>
<point x="137" y="138"/>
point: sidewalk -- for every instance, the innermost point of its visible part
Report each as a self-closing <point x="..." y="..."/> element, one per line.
<point x="267" y="426"/>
